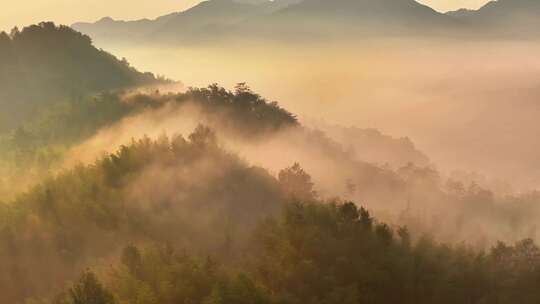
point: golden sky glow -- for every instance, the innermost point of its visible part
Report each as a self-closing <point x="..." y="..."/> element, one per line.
<point x="24" y="12"/>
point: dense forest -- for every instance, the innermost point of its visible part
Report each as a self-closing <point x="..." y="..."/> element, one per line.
<point x="411" y="191"/>
<point x="240" y="235"/>
<point x="39" y="146"/>
<point x="320" y="253"/>
<point x="235" y="201"/>
<point x="193" y="195"/>
<point x="45" y="64"/>
<point x="189" y="192"/>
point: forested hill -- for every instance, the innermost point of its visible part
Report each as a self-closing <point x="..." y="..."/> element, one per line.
<point x="241" y="236"/>
<point x="43" y="64"/>
<point x="252" y="207"/>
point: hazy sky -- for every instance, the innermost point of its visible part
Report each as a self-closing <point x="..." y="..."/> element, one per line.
<point x="24" y="12"/>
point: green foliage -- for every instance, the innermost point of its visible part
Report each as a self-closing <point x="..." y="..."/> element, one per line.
<point x="43" y="64"/>
<point x="169" y="190"/>
<point x="88" y="290"/>
<point x="191" y="194"/>
<point x="296" y="183"/>
<point x="35" y="149"/>
<point x="165" y="276"/>
<point x="242" y="110"/>
<point x="331" y="253"/>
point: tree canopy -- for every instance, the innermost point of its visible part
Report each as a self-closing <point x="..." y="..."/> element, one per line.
<point x="43" y="64"/>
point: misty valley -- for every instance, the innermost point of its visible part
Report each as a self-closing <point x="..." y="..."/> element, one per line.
<point x="273" y="152"/>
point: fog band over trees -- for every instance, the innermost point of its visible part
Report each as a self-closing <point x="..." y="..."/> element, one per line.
<point x="278" y="152"/>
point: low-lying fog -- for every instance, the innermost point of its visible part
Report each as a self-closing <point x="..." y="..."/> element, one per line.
<point x="471" y="106"/>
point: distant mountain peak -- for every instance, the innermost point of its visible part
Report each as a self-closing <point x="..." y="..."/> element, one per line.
<point x="222" y="19"/>
<point x="253" y="2"/>
<point x="504" y="17"/>
<point x="462" y="12"/>
<point x="106" y="20"/>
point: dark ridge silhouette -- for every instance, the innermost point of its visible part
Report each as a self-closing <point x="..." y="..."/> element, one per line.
<point x="374" y="17"/>
<point x="219" y="19"/>
<point x="205" y="19"/>
<point x="43" y="64"/>
<point x="508" y="18"/>
<point x="317" y="19"/>
<point x="461" y="13"/>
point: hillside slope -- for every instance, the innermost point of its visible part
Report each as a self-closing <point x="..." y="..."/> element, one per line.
<point x="373" y="17"/>
<point x="206" y="19"/>
<point x="310" y="19"/>
<point x="504" y="17"/>
<point x="220" y="19"/>
<point x="44" y="64"/>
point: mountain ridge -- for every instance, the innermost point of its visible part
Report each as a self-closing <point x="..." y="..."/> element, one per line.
<point x="306" y="19"/>
<point x="504" y="17"/>
<point x="296" y="18"/>
<point x="205" y="17"/>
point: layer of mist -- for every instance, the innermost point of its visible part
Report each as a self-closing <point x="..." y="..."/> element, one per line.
<point x="470" y="106"/>
<point x="408" y="191"/>
<point x="436" y="137"/>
